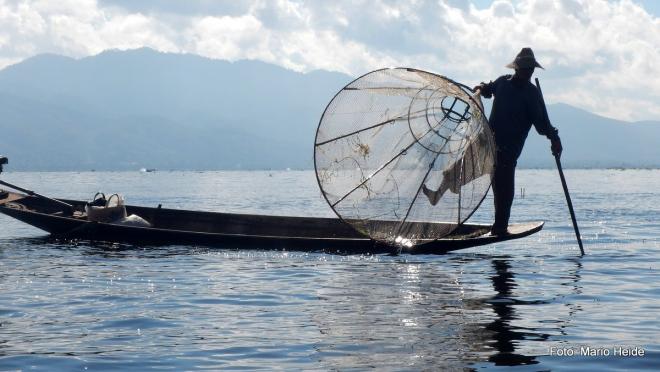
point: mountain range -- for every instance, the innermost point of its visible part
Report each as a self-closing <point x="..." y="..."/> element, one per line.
<point x="123" y="110"/>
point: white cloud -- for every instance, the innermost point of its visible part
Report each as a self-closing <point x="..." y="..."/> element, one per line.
<point x="75" y="28"/>
<point x="228" y="37"/>
<point x="599" y="55"/>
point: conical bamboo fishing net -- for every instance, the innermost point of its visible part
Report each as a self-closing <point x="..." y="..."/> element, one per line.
<point x="403" y="155"/>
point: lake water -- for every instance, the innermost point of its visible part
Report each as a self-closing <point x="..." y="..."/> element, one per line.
<point x="529" y="304"/>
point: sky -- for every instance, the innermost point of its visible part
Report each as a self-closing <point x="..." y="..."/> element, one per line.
<point x="602" y="56"/>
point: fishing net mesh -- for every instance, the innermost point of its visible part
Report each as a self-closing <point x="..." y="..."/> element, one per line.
<point x="404" y="155"/>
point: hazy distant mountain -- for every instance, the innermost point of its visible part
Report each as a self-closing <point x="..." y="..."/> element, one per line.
<point x="594" y="141"/>
<point x="142" y="108"/>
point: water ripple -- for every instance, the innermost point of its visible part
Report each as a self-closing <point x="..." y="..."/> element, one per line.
<point x="75" y="305"/>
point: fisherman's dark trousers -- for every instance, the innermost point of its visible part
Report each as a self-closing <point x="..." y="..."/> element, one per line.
<point x="503" y="189"/>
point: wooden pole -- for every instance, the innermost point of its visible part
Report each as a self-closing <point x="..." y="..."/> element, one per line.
<point x="563" y="179"/>
<point x="68" y="207"/>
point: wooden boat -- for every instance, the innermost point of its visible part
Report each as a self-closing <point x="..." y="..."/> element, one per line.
<point x="230" y="230"/>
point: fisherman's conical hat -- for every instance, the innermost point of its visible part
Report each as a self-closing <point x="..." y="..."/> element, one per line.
<point x="524" y="59"/>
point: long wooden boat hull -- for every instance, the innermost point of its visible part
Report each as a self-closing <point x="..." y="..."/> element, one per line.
<point x="230" y="230"/>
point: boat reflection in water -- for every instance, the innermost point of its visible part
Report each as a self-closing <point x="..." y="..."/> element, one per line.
<point x="436" y="315"/>
<point x="296" y="311"/>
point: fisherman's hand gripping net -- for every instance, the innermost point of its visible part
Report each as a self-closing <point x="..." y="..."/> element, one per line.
<point x="403" y="155"/>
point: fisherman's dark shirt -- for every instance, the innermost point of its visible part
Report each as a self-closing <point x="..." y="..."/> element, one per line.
<point x="517" y="106"/>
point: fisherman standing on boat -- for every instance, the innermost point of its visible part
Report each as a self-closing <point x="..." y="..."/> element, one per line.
<point x="517" y="106"/>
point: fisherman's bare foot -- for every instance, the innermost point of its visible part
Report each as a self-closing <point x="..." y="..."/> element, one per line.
<point x="433" y="196"/>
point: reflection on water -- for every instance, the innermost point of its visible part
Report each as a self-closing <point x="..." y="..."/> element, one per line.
<point x="440" y="320"/>
<point x="238" y="309"/>
<point x="505" y="334"/>
<point x="76" y="305"/>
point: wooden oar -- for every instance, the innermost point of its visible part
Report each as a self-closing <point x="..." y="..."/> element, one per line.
<point x="561" y="175"/>
<point x="68" y="207"/>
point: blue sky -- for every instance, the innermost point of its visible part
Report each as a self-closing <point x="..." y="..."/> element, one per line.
<point x="599" y="55"/>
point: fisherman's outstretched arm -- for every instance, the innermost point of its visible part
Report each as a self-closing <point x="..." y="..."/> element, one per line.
<point x="486" y="89"/>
